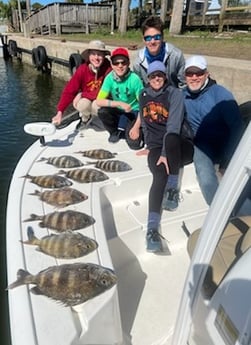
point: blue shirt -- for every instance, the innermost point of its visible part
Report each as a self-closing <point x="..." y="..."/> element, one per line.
<point x="216" y="121"/>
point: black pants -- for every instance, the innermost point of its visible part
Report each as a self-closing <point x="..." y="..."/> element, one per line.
<point x="179" y="153"/>
<point x="111" y="118"/>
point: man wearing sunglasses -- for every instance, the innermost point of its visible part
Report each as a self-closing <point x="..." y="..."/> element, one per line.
<point x="118" y="96"/>
<point x="157" y="49"/>
<point x="215" y="119"/>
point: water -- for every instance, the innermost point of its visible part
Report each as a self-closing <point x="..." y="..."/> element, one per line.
<point x="26" y="95"/>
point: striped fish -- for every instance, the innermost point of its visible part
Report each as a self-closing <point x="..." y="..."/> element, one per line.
<point x="68" y="245"/>
<point x="85" y="175"/>
<point x="112" y="165"/>
<point x="63" y="161"/>
<point x="49" y="181"/>
<point x="98" y="154"/>
<point x="61" y="197"/>
<point x="71" y="284"/>
<point x="63" y="221"/>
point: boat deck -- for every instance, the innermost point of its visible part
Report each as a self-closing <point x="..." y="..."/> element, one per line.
<point x="141" y="309"/>
<point x="149" y="285"/>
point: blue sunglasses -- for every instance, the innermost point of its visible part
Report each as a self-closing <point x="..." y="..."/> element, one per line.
<point x="157" y="37"/>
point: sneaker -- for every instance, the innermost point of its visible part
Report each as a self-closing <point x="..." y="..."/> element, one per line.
<point x="115" y="137"/>
<point x="171" y="199"/>
<point x="83" y="124"/>
<point x="153" y="241"/>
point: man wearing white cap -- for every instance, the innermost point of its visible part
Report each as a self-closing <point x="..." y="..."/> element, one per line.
<point x="215" y="119"/>
<point x="84" y="85"/>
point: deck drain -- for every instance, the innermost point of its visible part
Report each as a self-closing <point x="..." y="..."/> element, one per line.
<point x="136" y="203"/>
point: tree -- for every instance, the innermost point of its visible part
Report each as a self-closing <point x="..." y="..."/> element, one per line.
<point x="123" y="16"/>
<point x="176" y="17"/>
<point x="163" y="10"/>
<point x="36" y="6"/>
<point x="4" y="10"/>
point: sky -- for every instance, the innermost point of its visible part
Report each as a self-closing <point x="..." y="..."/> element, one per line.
<point x="46" y="2"/>
<point x="134" y="3"/>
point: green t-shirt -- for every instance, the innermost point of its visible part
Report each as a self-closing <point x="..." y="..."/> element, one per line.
<point x="126" y="90"/>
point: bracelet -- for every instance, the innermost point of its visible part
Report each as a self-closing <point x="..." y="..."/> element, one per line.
<point x="109" y="103"/>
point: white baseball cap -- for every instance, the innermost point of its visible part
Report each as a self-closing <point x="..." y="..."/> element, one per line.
<point x="197" y="61"/>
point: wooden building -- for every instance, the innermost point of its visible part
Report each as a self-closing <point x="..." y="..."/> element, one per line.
<point x="58" y="18"/>
<point x="212" y="14"/>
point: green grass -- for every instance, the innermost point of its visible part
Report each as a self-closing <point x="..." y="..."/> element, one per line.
<point x="228" y="44"/>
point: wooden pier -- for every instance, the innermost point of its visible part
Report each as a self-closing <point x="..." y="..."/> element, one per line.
<point x="58" y="18"/>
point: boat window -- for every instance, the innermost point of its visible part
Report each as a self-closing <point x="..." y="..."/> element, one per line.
<point x="235" y="240"/>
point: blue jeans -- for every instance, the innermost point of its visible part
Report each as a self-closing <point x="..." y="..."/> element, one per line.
<point x="206" y="174"/>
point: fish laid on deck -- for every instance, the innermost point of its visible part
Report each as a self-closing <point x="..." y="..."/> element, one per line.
<point x="68" y="245"/>
<point x="70" y="284"/>
<point x="98" y="154"/>
<point x="61" y="197"/>
<point x="85" y="175"/>
<point x="64" y="161"/>
<point x="112" y="165"/>
<point x="49" y="181"/>
<point x="63" y="221"/>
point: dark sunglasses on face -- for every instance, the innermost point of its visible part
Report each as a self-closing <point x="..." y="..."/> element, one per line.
<point x="156" y="75"/>
<point x="157" y="37"/>
<point x="197" y="74"/>
<point x="123" y="63"/>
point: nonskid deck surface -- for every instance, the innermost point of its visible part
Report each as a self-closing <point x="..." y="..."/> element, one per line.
<point x="148" y="285"/>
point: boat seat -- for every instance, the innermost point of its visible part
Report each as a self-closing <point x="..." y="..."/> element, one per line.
<point x="235" y="240"/>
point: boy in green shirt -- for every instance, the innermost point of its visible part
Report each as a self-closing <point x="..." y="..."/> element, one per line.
<point x="118" y="96"/>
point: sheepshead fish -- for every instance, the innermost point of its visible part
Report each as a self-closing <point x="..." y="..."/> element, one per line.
<point x="112" y="165"/>
<point x="63" y="221"/>
<point x="68" y="245"/>
<point x="61" y="197"/>
<point x="49" y="181"/>
<point x="64" y="161"/>
<point x="98" y="154"/>
<point x="70" y="284"/>
<point x="85" y="175"/>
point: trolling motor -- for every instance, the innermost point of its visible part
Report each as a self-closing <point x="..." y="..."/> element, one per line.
<point x="40" y="129"/>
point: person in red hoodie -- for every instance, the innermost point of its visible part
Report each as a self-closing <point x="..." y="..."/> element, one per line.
<point x="82" y="89"/>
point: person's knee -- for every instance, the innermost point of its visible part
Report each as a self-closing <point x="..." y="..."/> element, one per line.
<point x="94" y="108"/>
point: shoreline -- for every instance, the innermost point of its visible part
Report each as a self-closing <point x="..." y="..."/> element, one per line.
<point x="234" y="74"/>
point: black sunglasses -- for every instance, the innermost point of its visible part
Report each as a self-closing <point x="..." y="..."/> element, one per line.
<point x="156" y="74"/>
<point x="157" y="37"/>
<point x="197" y="74"/>
<point x="123" y="63"/>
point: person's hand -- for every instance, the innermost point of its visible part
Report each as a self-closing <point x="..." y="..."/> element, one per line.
<point x="134" y="133"/>
<point x="163" y="160"/>
<point x="56" y="120"/>
<point x="125" y="106"/>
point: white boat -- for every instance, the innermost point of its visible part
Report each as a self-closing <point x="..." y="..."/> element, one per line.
<point x="159" y="298"/>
